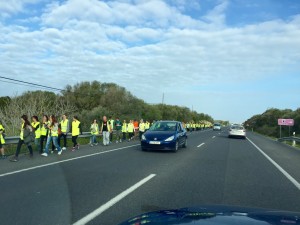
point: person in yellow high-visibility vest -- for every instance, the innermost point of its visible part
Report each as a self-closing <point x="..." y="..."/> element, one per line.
<point x="112" y="125"/>
<point x="52" y="136"/>
<point x="124" y="130"/>
<point x="64" y="129"/>
<point x="76" y="130"/>
<point x="94" y="131"/>
<point x="147" y="125"/>
<point x="37" y="130"/>
<point x="2" y="141"/>
<point x="141" y="128"/>
<point x="43" y="132"/>
<point x="130" y="129"/>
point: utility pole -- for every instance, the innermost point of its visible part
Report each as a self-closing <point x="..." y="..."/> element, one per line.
<point x="163" y="98"/>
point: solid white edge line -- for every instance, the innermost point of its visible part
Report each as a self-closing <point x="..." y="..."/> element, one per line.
<point x="62" y="161"/>
<point x="286" y="174"/>
<point x="113" y="201"/>
<point x="200" y="145"/>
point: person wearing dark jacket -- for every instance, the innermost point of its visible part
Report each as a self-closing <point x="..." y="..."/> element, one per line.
<point x="26" y="137"/>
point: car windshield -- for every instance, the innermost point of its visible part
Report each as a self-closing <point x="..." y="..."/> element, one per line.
<point x="217" y="125"/>
<point x="164" y="126"/>
<point x="237" y="128"/>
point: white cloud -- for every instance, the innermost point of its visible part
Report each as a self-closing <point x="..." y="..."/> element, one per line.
<point x="9" y="7"/>
<point x="150" y="44"/>
<point x="217" y="15"/>
<point x="152" y="13"/>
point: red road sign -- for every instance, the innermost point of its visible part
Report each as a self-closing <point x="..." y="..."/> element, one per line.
<point x="286" y="122"/>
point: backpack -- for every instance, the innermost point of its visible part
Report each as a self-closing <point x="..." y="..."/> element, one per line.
<point x="32" y="135"/>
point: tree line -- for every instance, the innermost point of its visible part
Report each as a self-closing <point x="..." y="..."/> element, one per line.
<point x="89" y="101"/>
<point x="267" y="122"/>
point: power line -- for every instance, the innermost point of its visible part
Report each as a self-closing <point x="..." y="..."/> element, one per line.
<point x="12" y="82"/>
<point x="33" y="84"/>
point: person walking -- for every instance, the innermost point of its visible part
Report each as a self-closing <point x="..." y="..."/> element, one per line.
<point x="147" y="125"/>
<point x="105" y="130"/>
<point x="112" y="124"/>
<point x="26" y="137"/>
<point x="130" y="128"/>
<point x="76" y="130"/>
<point x="124" y="130"/>
<point x="141" y="128"/>
<point x="136" y="128"/>
<point x="118" y="125"/>
<point x="37" y="130"/>
<point x="94" y="131"/>
<point x="52" y="136"/>
<point x="43" y="132"/>
<point x="64" y="130"/>
<point x="2" y="141"/>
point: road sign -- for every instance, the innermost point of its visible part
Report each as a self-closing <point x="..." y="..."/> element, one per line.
<point x="286" y="122"/>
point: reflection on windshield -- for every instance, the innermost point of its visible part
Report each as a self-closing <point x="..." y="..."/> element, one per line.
<point x="163" y="126"/>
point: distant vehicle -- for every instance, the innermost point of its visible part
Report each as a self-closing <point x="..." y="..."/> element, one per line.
<point x="237" y="131"/>
<point x="164" y="135"/>
<point x="217" y="126"/>
<point x="216" y="215"/>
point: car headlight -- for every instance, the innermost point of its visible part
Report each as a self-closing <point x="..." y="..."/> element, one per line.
<point x="143" y="137"/>
<point x="170" y="138"/>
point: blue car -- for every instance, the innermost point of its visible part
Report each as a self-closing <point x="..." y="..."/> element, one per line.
<point x="164" y="135"/>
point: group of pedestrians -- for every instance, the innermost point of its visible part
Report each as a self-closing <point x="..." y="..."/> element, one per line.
<point x="48" y="134"/>
<point x="124" y="131"/>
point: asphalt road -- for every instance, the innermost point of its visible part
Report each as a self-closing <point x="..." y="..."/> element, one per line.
<point x="106" y="185"/>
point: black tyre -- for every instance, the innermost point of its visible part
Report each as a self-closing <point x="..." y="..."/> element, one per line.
<point x="176" y="146"/>
<point x="185" y="143"/>
<point x="144" y="150"/>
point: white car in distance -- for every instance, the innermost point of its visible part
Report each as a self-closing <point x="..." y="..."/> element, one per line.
<point x="237" y="131"/>
<point x="217" y="126"/>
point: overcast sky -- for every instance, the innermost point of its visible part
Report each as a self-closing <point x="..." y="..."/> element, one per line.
<point x="229" y="58"/>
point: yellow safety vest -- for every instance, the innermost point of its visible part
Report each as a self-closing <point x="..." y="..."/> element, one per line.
<point x="147" y="125"/>
<point x="2" y="140"/>
<point x="112" y="123"/>
<point x="43" y="129"/>
<point x="130" y="128"/>
<point x="75" y="128"/>
<point x="124" y="128"/>
<point x="142" y="127"/>
<point x="37" y="131"/>
<point x="108" y="126"/>
<point x="22" y="132"/>
<point x="94" y="129"/>
<point x="64" y="125"/>
<point x="54" y="133"/>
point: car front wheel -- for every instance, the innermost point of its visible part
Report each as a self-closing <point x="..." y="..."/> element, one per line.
<point x="185" y="143"/>
<point x="176" y="146"/>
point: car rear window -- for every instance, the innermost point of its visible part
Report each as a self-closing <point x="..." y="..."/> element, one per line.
<point x="237" y="128"/>
<point x="164" y="126"/>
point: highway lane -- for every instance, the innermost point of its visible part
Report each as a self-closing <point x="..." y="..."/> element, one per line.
<point x="220" y="171"/>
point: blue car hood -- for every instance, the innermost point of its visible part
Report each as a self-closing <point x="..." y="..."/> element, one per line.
<point x="216" y="215"/>
<point x="159" y="135"/>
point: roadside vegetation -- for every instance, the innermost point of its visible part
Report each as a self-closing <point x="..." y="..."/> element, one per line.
<point x="267" y="123"/>
<point x="89" y="101"/>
